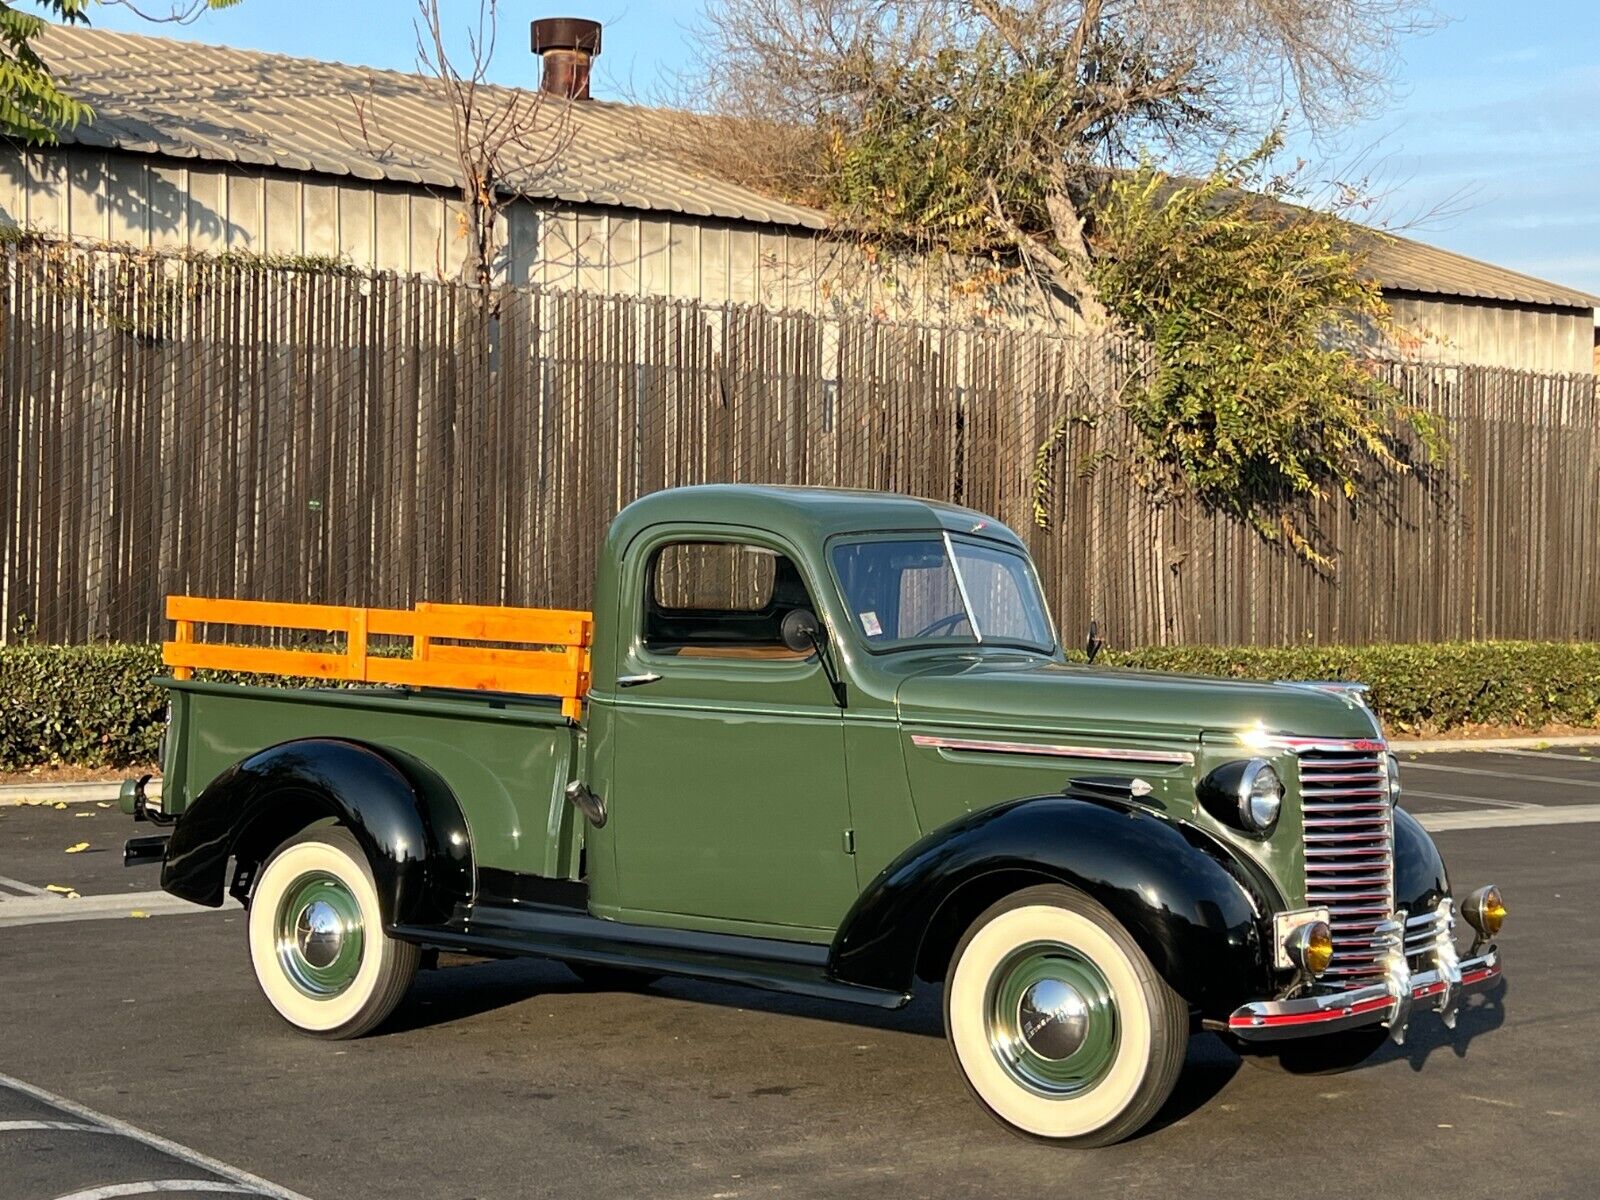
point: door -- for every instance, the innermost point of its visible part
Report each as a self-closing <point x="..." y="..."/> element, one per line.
<point x="728" y="787"/>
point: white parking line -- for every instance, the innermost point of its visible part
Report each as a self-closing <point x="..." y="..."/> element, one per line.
<point x="1588" y="758"/>
<point x="233" y="1179"/>
<point x="151" y="1187"/>
<point x="1466" y="799"/>
<point x="1517" y="775"/>
<point x="49" y="909"/>
<point x="73" y="1126"/>
<point x="1563" y="814"/>
<point x="20" y="888"/>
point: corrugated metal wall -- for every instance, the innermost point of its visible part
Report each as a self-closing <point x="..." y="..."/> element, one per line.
<point x="169" y="204"/>
<point x="1526" y="337"/>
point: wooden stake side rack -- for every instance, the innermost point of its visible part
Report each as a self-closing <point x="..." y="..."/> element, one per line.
<point x="558" y="667"/>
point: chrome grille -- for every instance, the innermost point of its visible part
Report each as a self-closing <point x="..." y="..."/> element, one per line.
<point x="1349" y="834"/>
<point x="1422" y="937"/>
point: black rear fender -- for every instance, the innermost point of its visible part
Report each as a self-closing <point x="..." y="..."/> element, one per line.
<point x="404" y="817"/>
<point x="1195" y="910"/>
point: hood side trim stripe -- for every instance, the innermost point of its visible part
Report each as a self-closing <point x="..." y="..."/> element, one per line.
<point x="1180" y="758"/>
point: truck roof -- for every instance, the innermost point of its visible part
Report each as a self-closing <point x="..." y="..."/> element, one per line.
<point x="802" y="513"/>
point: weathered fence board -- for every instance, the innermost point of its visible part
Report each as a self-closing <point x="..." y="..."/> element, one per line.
<point x="222" y="429"/>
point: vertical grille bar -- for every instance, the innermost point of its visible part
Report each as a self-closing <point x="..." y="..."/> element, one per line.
<point x="1349" y="840"/>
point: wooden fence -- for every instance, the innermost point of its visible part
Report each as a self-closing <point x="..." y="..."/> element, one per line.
<point x="222" y="429"/>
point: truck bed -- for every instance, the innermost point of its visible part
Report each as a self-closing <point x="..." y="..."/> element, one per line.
<point x="510" y="783"/>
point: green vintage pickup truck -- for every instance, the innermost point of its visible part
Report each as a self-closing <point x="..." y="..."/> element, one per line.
<point x="823" y="742"/>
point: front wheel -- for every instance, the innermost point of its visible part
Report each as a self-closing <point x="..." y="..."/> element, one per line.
<point x="1062" y="1029"/>
<point x="317" y="940"/>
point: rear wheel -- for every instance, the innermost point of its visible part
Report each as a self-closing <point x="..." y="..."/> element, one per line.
<point x="1062" y="1029"/>
<point x="317" y="941"/>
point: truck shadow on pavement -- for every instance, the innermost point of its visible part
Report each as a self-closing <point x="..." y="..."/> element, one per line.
<point x="1481" y="1014"/>
<point x="463" y="988"/>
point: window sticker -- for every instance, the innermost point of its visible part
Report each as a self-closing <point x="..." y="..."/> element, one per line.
<point x="870" y="623"/>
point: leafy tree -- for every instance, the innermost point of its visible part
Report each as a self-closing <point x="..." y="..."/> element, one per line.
<point x="1248" y="303"/>
<point x="984" y="125"/>
<point x="990" y="128"/>
<point x="33" y="106"/>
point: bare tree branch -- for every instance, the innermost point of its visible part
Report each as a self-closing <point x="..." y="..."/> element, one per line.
<point x="506" y="140"/>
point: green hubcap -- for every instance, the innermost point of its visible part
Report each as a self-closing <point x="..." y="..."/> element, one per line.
<point x="1051" y="1019"/>
<point x="319" y="935"/>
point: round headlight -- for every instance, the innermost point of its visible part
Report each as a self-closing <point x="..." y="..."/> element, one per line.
<point x="1394" y="778"/>
<point x="1485" y="911"/>
<point x="1260" y="796"/>
<point x="1310" y="947"/>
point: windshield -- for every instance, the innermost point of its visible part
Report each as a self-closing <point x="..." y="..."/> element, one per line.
<point x="941" y="589"/>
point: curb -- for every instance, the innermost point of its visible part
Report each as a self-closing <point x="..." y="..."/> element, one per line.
<point x="15" y="795"/>
<point x="1435" y="745"/>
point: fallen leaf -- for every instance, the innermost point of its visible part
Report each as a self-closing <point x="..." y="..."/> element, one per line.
<point x="102" y="804"/>
<point x="77" y="848"/>
<point x="61" y="803"/>
<point x="57" y="888"/>
<point x="83" y="814"/>
<point x="139" y="913"/>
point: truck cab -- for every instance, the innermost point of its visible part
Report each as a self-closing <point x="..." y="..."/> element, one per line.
<point x="826" y="742"/>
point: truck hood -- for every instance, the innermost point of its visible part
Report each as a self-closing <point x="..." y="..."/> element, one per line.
<point x="980" y="692"/>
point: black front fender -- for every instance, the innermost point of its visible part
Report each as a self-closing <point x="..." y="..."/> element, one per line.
<point x="1194" y="909"/>
<point x="401" y="813"/>
<point x="1420" y="882"/>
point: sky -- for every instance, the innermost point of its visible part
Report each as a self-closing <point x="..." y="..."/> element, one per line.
<point x="1490" y="145"/>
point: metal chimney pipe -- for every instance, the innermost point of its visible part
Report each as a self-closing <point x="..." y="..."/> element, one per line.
<point x="567" y="45"/>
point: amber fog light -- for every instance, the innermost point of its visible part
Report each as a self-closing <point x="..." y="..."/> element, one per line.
<point x="1310" y="947"/>
<point x="1485" y="911"/>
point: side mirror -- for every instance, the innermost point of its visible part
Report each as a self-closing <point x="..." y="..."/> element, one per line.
<point x="801" y="630"/>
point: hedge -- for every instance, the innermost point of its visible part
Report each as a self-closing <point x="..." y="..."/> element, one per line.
<point x="96" y="705"/>
<point x="1430" y="688"/>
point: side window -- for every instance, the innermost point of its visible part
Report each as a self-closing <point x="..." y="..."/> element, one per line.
<point x="720" y="600"/>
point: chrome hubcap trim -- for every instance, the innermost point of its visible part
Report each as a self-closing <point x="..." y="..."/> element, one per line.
<point x="1053" y="1019"/>
<point x="318" y="935"/>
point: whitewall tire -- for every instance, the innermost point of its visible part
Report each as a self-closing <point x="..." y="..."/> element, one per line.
<point x="1059" y="1024"/>
<point x="317" y="941"/>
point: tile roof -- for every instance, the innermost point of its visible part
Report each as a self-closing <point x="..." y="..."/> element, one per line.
<point x="1405" y="265"/>
<point x="189" y="100"/>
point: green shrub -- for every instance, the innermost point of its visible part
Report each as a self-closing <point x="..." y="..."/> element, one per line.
<point x="98" y="705"/>
<point x="92" y="706"/>
<point x="1427" y="688"/>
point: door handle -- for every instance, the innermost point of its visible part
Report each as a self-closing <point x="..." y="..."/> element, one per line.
<point x="636" y="680"/>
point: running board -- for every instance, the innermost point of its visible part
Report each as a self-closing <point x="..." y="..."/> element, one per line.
<point x="550" y="931"/>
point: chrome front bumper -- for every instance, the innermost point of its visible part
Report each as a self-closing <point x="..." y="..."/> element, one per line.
<point x="1387" y="1002"/>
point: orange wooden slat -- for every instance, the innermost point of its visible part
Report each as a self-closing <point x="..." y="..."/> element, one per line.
<point x="559" y="668"/>
<point x="183" y="635"/>
<point x="528" y="625"/>
<point x="474" y="677"/>
<point x="496" y="610"/>
<point x="255" y="659"/>
<point x="540" y="660"/>
<point x="258" y="612"/>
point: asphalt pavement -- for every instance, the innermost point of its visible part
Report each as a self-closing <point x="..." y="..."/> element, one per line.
<point x="136" y="1050"/>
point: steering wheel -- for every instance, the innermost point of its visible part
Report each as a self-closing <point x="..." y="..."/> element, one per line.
<point x="950" y="619"/>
